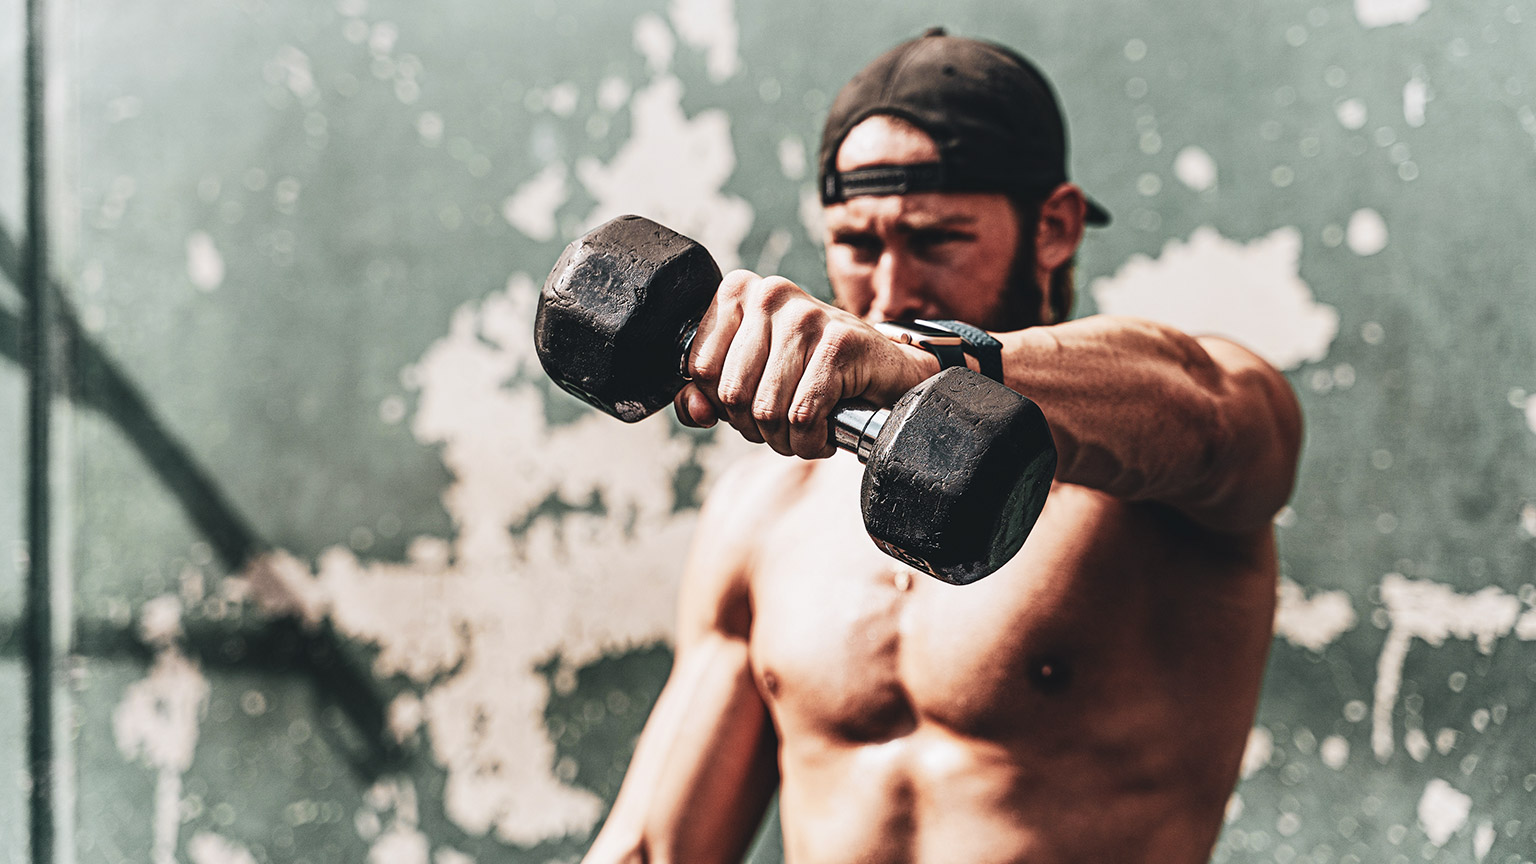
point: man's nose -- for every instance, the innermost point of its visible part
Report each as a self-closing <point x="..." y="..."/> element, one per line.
<point x="898" y="288"/>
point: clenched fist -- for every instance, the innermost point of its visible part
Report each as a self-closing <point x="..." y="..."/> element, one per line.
<point x="773" y="361"/>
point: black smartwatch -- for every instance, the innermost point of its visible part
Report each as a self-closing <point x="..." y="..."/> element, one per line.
<point x="950" y="341"/>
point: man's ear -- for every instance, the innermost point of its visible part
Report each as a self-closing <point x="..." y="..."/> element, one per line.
<point x="1061" y="227"/>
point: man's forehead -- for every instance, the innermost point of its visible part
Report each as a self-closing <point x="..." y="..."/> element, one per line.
<point x="913" y="212"/>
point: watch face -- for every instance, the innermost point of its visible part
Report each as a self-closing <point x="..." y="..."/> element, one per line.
<point x="919" y="333"/>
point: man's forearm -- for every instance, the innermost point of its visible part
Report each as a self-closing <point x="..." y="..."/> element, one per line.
<point x="703" y="770"/>
<point x="1144" y="412"/>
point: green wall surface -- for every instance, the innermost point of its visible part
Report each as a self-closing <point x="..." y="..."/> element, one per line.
<point x="349" y="580"/>
<point x="13" y="717"/>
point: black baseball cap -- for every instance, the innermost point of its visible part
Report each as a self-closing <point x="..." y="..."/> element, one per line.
<point x="991" y="112"/>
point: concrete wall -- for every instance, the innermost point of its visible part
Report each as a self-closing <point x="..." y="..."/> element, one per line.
<point x="350" y="581"/>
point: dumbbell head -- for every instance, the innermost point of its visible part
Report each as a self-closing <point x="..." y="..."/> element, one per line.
<point x="958" y="476"/>
<point x="613" y="309"/>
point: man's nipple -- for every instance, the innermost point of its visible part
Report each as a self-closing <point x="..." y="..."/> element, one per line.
<point x="1050" y="674"/>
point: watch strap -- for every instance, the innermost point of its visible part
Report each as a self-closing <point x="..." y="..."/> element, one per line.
<point x="976" y="342"/>
<point x="944" y="344"/>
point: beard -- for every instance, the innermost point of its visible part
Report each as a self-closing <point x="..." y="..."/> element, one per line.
<point x="1022" y="299"/>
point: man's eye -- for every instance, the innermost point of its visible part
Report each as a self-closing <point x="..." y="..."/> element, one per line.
<point x="930" y="241"/>
<point x="862" y="246"/>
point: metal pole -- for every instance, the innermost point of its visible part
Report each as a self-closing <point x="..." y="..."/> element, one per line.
<point x="39" y="347"/>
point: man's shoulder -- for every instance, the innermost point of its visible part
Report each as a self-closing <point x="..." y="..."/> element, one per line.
<point x="760" y="486"/>
<point x="750" y="504"/>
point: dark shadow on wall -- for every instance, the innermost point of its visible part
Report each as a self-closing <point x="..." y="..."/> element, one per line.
<point x="340" y="675"/>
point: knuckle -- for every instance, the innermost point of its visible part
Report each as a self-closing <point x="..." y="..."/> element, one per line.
<point x="766" y="414"/>
<point x="802" y="415"/>
<point x="775" y="292"/>
<point x="805" y="318"/>
<point x="736" y="282"/>
<point x="704" y="367"/>
<point x="836" y="346"/>
<point x="739" y="288"/>
<point x="733" y="395"/>
<point x="778" y="285"/>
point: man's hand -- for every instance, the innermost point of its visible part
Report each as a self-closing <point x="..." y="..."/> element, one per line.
<point x="773" y="361"/>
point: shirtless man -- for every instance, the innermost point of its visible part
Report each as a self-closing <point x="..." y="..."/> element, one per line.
<point x="1090" y="701"/>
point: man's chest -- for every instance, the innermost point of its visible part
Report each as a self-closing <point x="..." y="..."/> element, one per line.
<point x="850" y="643"/>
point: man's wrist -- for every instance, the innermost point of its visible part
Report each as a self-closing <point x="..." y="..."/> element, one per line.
<point x="951" y="343"/>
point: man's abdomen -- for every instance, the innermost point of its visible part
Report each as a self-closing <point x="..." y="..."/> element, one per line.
<point x="931" y="798"/>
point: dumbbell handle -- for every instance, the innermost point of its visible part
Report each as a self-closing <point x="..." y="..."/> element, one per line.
<point x="853" y="426"/>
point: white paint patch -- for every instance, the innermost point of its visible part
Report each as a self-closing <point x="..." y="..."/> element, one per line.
<point x="1258" y="750"/>
<point x="1252" y="293"/>
<point x="291" y="69"/>
<point x="281" y="584"/>
<point x="160" y="621"/>
<point x="429" y="125"/>
<point x="205" y="266"/>
<point x="1381" y="13"/>
<point x="1366" y="233"/>
<point x="157" y="724"/>
<point x="1415" y="100"/>
<point x="563" y="98"/>
<point x="208" y="848"/>
<point x="792" y="157"/>
<point x="672" y="170"/>
<point x="1195" y="168"/>
<point x="401" y="842"/>
<point x="653" y="39"/>
<point x="1334" y="752"/>
<point x="451" y="856"/>
<point x="710" y="26"/>
<point x="381" y="41"/>
<point x="1482" y="840"/>
<point x="1530" y="415"/>
<point x="612" y="93"/>
<point x="1432" y="612"/>
<point x="531" y="207"/>
<point x="1443" y="810"/>
<point x="1445" y="741"/>
<point x="1417" y="744"/>
<point x="471" y="620"/>
<point x="1351" y="113"/>
<point x="400" y="845"/>
<point x="1312" y="623"/>
<point x="405" y="716"/>
<point x="1525" y="628"/>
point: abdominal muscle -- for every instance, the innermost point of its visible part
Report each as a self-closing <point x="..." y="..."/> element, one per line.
<point x="1082" y="704"/>
<point x="927" y="797"/>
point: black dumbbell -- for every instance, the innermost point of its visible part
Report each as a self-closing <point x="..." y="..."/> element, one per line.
<point x="957" y="470"/>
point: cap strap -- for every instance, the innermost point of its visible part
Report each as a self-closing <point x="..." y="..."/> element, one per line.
<point x="929" y="177"/>
<point x="883" y="180"/>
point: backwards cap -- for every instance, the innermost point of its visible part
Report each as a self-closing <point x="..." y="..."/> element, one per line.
<point x="990" y="112"/>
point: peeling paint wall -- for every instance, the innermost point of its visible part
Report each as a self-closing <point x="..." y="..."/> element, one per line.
<point x="13" y="400"/>
<point x="352" y="582"/>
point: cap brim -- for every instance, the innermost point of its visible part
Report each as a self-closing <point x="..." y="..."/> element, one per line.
<point x="1096" y="215"/>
